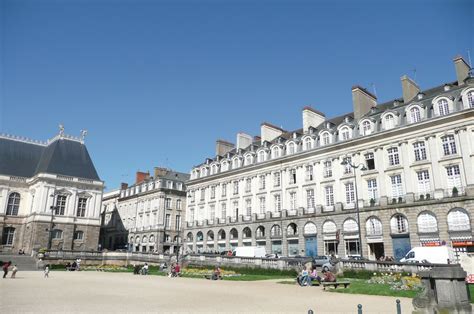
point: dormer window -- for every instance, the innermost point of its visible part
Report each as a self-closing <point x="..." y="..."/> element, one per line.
<point x="389" y="121"/>
<point x="248" y="160"/>
<point x="308" y="143"/>
<point x="261" y="156"/>
<point x="366" y="128"/>
<point x="275" y="152"/>
<point x="325" y="139"/>
<point x="214" y="169"/>
<point x="225" y="166"/>
<point x="235" y="163"/>
<point x="291" y="148"/>
<point x="415" y="115"/>
<point x="345" y="134"/>
<point x="443" y="107"/>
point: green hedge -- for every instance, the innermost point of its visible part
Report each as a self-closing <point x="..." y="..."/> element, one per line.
<point x="253" y="271"/>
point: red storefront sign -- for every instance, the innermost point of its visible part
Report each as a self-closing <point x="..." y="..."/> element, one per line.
<point x="430" y="244"/>
<point x="462" y="243"/>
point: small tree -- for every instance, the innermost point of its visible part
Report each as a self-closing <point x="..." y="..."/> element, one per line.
<point x="455" y="191"/>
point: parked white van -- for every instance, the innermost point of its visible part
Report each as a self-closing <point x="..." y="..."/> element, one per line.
<point x="430" y="254"/>
<point x="250" y="251"/>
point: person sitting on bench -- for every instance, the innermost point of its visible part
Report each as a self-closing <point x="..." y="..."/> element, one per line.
<point x="313" y="275"/>
<point x="328" y="276"/>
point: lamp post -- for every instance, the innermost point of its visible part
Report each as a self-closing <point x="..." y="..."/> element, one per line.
<point x="345" y="162"/>
<point x="51" y="226"/>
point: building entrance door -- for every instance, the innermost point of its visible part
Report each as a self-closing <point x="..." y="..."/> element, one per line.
<point x="376" y="250"/>
<point x="311" y="246"/>
<point x="401" y="246"/>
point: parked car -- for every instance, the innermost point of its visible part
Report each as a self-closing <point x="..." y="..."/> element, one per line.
<point x="328" y="266"/>
<point x="320" y="260"/>
<point x="272" y="255"/>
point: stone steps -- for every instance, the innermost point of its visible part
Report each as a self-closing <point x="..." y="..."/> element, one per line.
<point x="23" y="262"/>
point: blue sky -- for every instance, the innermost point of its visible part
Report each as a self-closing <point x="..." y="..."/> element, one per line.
<point x="157" y="82"/>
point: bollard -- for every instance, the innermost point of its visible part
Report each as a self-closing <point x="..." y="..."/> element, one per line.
<point x="399" y="307"/>
<point x="310" y="312"/>
<point x="359" y="309"/>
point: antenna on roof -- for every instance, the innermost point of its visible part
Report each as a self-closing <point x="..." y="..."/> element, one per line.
<point x="414" y="74"/>
<point x="373" y="87"/>
<point x="469" y="57"/>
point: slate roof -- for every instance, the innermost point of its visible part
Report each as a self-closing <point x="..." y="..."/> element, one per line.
<point x="61" y="156"/>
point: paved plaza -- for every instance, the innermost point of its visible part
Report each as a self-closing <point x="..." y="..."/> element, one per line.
<point x="98" y="292"/>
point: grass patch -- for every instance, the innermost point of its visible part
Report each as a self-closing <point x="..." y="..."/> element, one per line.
<point x="360" y="286"/>
<point x="471" y="292"/>
<point x="275" y="273"/>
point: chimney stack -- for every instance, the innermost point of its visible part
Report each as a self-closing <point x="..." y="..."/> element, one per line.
<point x="223" y="147"/>
<point x="160" y="172"/>
<point x="312" y="118"/>
<point x="269" y="132"/>
<point x="409" y="88"/>
<point x="362" y="101"/>
<point x="462" y="69"/>
<point x="123" y="186"/>
<point x="141" y="176"/>
<point x="243" y="140"/>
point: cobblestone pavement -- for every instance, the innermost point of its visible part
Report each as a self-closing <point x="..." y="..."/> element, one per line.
<point x="97" y="292"/>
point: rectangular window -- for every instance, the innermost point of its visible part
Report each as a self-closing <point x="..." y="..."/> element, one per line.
<point x="203" y="194"/>
<point x="423" y="181"/>
<point x="81" y="207"/>
<point x="213" y="192"/>
<point x="329" y="195"/>
<point x="454" y="177"/>
<point x="292" y="176"/>
<point x="248" y="185"/>
<point x="310" y="198"/>
<point x="309" y="173"/>
<point x="397" y="189"/>
<point x="277" y="199"/>
<point x="223" y="210"/>
<point x="168" y="202"/>
<point x="370" y="161"/>
<point x="236" y="187"/>
<point x="60" y="205"/>
<point x="236" y="209"/>
<point x="393" y="158"/>
<point x="449" y="145"/>
<point x="262" y="182"/>
<point x="178" y="222"/>
<point x="350" y="194"/>
<point x="293" y="200"/>
<point x="212" y="212"/>
<point x="419" y="150"/>
<point x="276" y="179"/>
<point x="224" y="189"/>
<point x="262" y="205"/>
<point x="191" y="214"/>
<point x="248" y="206"/>
<point x="327" y="169"/>
<point x="178" y="204"/>
<point x="167" y="221"/>
<point x="372" y="189"/>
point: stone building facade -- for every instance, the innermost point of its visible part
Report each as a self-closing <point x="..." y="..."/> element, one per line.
<point x="50" y="194"/>
<point x="146" y="216"/>
<point x="376" y="181"/>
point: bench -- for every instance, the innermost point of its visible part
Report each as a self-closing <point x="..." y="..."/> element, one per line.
<point x="336" y="284"/>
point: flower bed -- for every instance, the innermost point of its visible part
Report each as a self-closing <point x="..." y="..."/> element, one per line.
<point x="397" y="281"/>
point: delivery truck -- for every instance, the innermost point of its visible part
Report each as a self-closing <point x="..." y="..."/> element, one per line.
<point x="250" y="251"/>
<point x="430" y="254"/>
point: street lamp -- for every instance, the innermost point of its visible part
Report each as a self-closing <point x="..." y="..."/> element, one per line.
<point x="345" y="162"/>
<point x="51" y="226"/>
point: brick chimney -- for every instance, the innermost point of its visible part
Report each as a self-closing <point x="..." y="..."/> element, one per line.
<point x="269" y="132"/>
<point x="243" y="140"/>
<point x="312" y="118"/>
<point x="141" y="176"/>
<point x="362" y="101"/>
<point x="462" y="69"/>
<point x="409" y="88"/>
<point x="223" y="147"/>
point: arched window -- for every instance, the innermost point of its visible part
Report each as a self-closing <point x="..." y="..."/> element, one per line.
<point x="329" y="227"/>
<point x="210" y="235"/>
<point x="291" y="148"/>
<point x="235" y="163"/>
<point x="248" y="159"/>
<point x="189" y="237"/>
<point x="366" y="127"/>
<point x="260" y="233"/>
<point x="214" y="169"/>
<point x="221" y="235"/>
<point x="389" y="122"/>
<point x="261" y="156"/>
<point x="225" y="166"/>
<point x="275" y="152"/>
<point x="345" y="134"/>
<point x="458" y="220"/>
<point x="373" y="226"/>
<point x="145" y="239"/>
<point x="470" y="99"/>
<point x="275" y="231"/>
<point x="151" y="239"/>
<point x="79" y="235"/>
<point x="234" y="235"/>
<point x="443" y="107"/>
<point x="292" y="229"/>
<point x="8" y="236"/>
<point x="310" y="229"/>
<point x="137" y="240"/>
<point x="426" y="222"/>
<point x="308" y="143"/>
<point x="57" y="234"/>
<point x="399" y="224"/>
<point x="325" y="140"/>
<point x="247" y="233"/>
<point x="350" y="225"/>
<point x="13" y="204"/>
<point x="199" y="236"/>
<point x="415" y="115"/>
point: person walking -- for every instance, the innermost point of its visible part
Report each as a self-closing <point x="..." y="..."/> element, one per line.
<point x="14" y="270"/>
<point x="46" y="271"/>
<point x="5" y="268"/>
